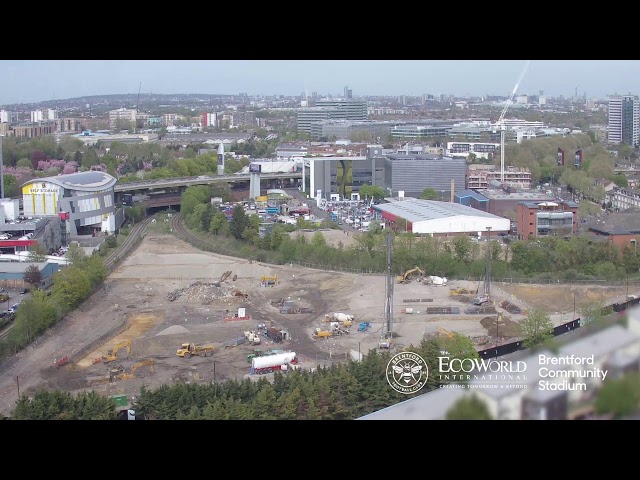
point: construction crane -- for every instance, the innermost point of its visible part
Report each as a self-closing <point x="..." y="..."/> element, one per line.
<point x="135" y="123"/>
<point x="500" y="121"/>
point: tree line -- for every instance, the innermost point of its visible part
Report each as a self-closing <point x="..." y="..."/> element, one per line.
<point x="545" y="258"/>
<point x="341" y="391"/>
<point x="71" y="285"/>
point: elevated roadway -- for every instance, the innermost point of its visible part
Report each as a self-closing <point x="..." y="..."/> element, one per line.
<point x="183" y="182"/>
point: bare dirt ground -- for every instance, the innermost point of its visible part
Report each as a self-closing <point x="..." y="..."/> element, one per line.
<point x="134" y="306"/>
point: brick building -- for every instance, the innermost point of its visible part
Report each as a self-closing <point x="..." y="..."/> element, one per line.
<point x="535" y="219"/>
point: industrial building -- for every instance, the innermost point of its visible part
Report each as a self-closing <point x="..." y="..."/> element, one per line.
<point x="439" y="218"/>
<point x="536" y="219"/>
<point x="502" y="199"/>
<point x="615" y="350"/>
<point x="411" y="174"/>
<point x="12" y="274"/>
<point x="83" y="201"/>
<point x="621" y="229"/>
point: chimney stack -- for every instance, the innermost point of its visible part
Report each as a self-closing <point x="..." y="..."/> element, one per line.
<point x="452" y="189"/>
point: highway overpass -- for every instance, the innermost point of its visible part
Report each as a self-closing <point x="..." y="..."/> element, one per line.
<point x="131" y="187"/>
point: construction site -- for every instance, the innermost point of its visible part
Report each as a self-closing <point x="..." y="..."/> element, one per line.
<point x="173" y="313"/>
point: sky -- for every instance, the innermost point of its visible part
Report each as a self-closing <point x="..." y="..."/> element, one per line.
<point x="30" y="81"/>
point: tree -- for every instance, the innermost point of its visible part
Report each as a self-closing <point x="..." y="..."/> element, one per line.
<point x="32" y="275"/>
<point x="239" y="221"/>
<point x="24" y="163"/>
<point x="536" y="327"/>
<point x="591" y="312"/>
<point x="133" y="214"/>
<point x="429" y="194"/>
<point x="371" y="191"/>
<point x="620" y="396"/>
<point x="469" y="408"/>
<point x="37" y="253"/>
<point x="71" y="285"/>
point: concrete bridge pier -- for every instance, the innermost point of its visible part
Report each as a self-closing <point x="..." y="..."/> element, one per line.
<point x="254" y="186"/>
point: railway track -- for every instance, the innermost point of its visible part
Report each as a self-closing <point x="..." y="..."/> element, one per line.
<point x="181" y="232"/>
<point x="132" y="238"/>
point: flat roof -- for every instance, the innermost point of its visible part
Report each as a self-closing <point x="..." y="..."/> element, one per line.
<point x="472" y="194"/>
<point x="548" y="203"/>
<point x="21" y="267"/>
<point x="417" y="210"/>
<point x="495" y="194"/>
<point x="87" y="181"/>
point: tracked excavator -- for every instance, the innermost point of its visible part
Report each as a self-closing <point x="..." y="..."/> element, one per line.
<point x="406" y="276"/>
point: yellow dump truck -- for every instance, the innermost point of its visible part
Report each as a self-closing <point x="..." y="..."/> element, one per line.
<point x="188" y="350"/>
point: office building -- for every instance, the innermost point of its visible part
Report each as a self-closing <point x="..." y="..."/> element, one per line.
<point x="123" y="116"/>
<point x="537" y="219"/>
<point x="331" y="110"/>
<point x="624" y="119"/>
<point x="413" y="173"/>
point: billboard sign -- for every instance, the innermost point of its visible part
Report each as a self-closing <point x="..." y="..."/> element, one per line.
<point x="255" y="168"/>
<point x="39" y="188"/>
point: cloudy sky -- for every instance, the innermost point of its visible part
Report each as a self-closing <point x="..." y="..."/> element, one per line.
<point x="25" y="81"/>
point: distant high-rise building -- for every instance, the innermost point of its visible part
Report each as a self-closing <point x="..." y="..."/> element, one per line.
<point x="624" y="119"/>
<point x="52" y="114"/>
<point x="37" y="116"/>
<point x="124" y="114"/>
<point x="209" y="119"/>
<point x="542" y="93"/>
<point x="347" y="93"/>
<point x="8" y="117"/>
<point x="331" y="110"/>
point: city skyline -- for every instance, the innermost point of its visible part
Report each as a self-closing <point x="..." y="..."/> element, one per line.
<point x="32" y="81"/>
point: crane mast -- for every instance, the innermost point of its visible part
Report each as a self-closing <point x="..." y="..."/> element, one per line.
<point x="501" y="118"/>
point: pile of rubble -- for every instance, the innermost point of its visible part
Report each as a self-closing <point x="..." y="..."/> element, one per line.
<point x="206" y="293"/>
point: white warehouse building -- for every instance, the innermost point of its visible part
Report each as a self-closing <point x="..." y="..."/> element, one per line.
<point x="440" y="218"/>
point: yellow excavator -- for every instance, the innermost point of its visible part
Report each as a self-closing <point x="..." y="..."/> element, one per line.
<point x="443" y="332"/>
<point x="406" y="276"/>
<point x="112" y="356"/>
<point x="119" y="374"/>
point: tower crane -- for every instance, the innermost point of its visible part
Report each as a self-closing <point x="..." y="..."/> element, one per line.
<point x="500" y="121"/>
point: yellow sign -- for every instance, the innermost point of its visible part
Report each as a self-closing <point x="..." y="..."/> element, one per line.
<point x="263" y="198"/>
<point x="38" y="188"/>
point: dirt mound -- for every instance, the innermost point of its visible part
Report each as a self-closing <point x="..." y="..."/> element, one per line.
<point x="507" y="328"/>
<point x="173" y="330"/>
<point x="206" y="293"/>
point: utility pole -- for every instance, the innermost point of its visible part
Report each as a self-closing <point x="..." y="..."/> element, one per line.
<point x="487" y="275"/>
<point x="1" y="170"/>
<point x="389" y="289"/>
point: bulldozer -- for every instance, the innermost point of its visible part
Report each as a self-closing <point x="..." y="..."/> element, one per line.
<point x="112" y="356"/>
<point x="459" y="291"/>
<point x="118" y="373"/>
<point x="188" y="350"/>
<point x="406" y="276"/>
